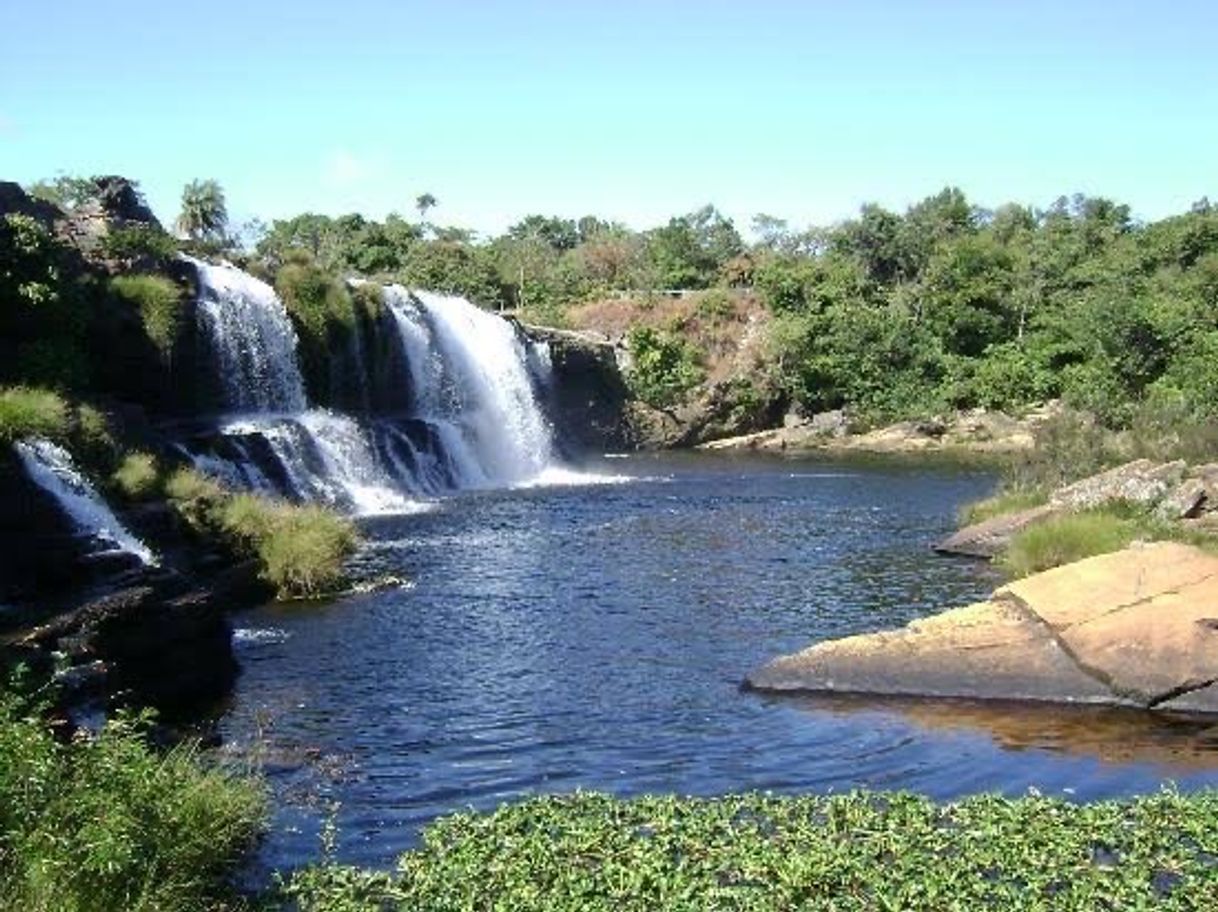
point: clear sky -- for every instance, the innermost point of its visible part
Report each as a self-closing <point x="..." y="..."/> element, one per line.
<point x="627" y="109"/>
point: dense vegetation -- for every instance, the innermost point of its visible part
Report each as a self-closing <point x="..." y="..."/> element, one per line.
<point x="105" y="823"/>
<point x="863" y="851"/>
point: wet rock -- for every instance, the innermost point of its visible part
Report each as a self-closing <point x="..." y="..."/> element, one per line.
<point x="1136" y="627"/>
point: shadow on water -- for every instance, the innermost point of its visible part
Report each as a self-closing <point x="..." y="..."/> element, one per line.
<point x="1180" y="744"/>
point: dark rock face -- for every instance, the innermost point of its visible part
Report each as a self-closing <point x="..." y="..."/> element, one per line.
<point x="589" y="399"/>
<point x="14" y="199"/>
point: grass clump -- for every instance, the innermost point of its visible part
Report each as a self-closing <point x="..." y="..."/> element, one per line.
<point x="862" y="851"/>
<point x="301" y="547"/>
<point x="32" y="412"/>
<point x="137" y="476"/>
<point x="159" y="302"/>
<point x="104" y="822"/>
<point x="1068" y="538"/>
<point x="1001" y="504"/>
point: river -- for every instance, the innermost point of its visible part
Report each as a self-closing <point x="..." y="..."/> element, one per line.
<point x="594" y="636"/>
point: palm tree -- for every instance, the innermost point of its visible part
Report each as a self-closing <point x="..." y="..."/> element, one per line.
<point x="203" y="211"/>
<point x="423" y="202"/>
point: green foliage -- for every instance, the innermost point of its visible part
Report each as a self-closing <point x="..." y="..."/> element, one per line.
<point x="301" y="548"/>
<point x="104" y="822"/>
<point x="1001" y="504"/>
<point x="204" y="214"/>
<point x="863" y="851"/>
<point x="31" y="412"/>
<point x="68" y="192"/>
<point x="137" y="477"/>
<point x="159" y="303"/>
<point x="138" y="243"/>
<point x="322" y="312"/>
<point x="1068" y="538"/>
<point x="665" y="367"/>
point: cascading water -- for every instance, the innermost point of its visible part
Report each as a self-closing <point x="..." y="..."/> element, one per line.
<point x="51" y="468"/>
<point x="471" y="384"/>
<point x="459" y="405"/>
<point x="307" y="454"/>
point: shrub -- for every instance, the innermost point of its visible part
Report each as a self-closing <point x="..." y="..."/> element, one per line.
<point x="1068" y="538"/>
<point x="159" y="302"/>
<point x="195" y="496"/>
<point x="139" y="242"/>
<point x="104" y="822"/>
<point x="665" y="367"/>
<point x="30" y="412"/>
<point x="137" y="477"/>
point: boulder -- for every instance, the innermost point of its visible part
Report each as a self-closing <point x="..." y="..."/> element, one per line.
<point x="1138" y="627"/>
<point x="1141" y="481"/>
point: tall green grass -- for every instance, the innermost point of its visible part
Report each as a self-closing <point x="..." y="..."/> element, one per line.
<point x="105" y="823"/>
<point x="159" y="303"/>
<point x="1068" y="538"/>
<point x="1001" y="504"/>
<point x="301" y="548"/>
<point x="31" y="412"/>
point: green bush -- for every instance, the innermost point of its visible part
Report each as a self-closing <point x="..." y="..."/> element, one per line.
<point x="665" y="368"/>
<point x="322" y="311"/>
<point x="105" y="823"/>
<point x="140" y="242"/>
<point x="137" y="476"/>
<point x="159" y="303"/>
<point x="29" y="412"/>
<point x="196" y="497"/>
<point x="863" y="851"/>
<point x="1068" y="538"/>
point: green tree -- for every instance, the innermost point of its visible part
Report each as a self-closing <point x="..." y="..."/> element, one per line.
<point x="204" y="214"/>
<point x="425" y="202"/>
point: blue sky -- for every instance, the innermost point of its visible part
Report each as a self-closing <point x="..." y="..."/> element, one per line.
<point x="630" y="110"/>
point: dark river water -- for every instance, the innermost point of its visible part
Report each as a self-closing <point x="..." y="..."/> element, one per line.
<point x="595" y="637"/>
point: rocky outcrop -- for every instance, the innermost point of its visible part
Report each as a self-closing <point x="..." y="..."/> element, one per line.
<point x="1135" y="628"/>
<point x="589" y="401"/>
<point x="1171" y="490"/>
<point x="974" y="431"/>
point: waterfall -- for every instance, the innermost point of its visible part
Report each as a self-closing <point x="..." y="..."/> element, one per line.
<point x="309" y="454"/>
<point x="463" y="405"/>
<point x="252" y="338"/>
<point x="51" y="468"/>
<point x="470" y="380"/>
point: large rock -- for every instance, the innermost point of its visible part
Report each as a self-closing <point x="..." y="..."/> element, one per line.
<point x="1137" y="627"/>
<point x="990" y="537"/>
<point x="1141" y="482"/>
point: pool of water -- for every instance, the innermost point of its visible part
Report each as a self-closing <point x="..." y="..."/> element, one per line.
<point x="595" y="636"/>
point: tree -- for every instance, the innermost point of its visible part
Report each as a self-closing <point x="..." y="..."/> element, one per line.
<point x="204" y="214"/>
<point x="424" y="202"/>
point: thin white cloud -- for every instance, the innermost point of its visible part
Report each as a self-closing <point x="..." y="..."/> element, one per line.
<point x="344" y="169"/>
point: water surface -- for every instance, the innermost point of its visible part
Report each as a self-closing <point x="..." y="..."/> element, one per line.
<point x="595" y="637"/>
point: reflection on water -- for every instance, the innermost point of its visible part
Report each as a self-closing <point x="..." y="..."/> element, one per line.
<point x="1179" y="744"/>
<point x="596" y="638"/>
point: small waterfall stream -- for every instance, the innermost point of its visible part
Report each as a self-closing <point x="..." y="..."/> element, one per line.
<point x="50" y="467"/>
<point x="471" y="380"/>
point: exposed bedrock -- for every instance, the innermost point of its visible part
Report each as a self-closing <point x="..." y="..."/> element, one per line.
<point x="1138" y="627"/>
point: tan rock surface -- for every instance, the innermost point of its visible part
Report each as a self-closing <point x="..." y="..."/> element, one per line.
<point x="1137" y="627"/>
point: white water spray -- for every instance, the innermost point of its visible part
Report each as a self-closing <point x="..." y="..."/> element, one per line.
<point x="51" y="468"/>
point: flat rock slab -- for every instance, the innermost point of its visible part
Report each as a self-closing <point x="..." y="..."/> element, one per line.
<point x="991" y="537"/>
<point x="1138" y="627"/>
<point x="989" y="650"/>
